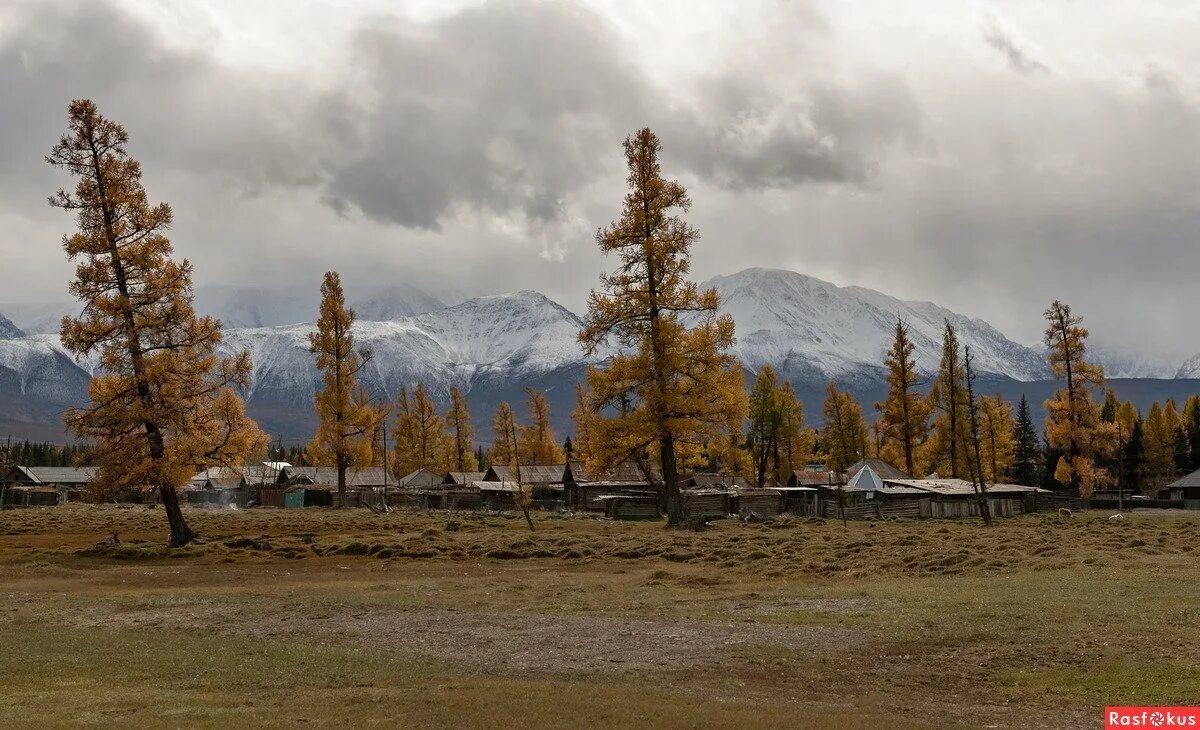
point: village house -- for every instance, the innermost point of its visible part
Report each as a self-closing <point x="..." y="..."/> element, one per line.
<point x="28" y="486"/>
<point x="1186" y="488"/>
<point x="621" y="490"/>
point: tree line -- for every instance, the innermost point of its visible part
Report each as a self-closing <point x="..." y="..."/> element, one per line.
<point x="164" y="405"/>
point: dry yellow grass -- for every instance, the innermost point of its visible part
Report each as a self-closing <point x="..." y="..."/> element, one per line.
<point x="421" y="618"/>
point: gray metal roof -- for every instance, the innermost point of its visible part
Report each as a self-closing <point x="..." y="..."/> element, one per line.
<point x="462" y="477"/>
<point x="879" y="466"/>
<point x="370" y="476"/>
<point x="1188" y="480"/>
<point x="57" y="474"/>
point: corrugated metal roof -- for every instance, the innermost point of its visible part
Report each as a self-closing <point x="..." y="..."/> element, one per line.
<point x="541" y="473"/>
<point x="701" y="480"/>
<point x="370" y="476"/>
<point x="880" y="467"/>
<point x="1189" y="480"/>
<point x="810" y="478"/>
<point x="58" y="474"/>
<point x="421" y="478"/>
<point x="958" y="487"/>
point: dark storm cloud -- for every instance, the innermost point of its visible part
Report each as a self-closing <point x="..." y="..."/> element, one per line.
<point x="1018" y="59"/>
<point x="502" y="107"/>
<point x="506" y="108"/>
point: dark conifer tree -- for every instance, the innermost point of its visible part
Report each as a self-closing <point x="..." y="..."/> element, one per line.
<point x="1027" y="452"/>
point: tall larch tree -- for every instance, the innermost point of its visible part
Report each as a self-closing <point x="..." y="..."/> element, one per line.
<point x="163" y="404"/>
<point x="1026" y="466"/>
<point x="674" y="371"/>
<point x="975" y="440"/>
<point x="504" y="436"/>
<point x="536" y="443"/>
<point x="766" y="424"/>
<point x="1158" y="443"/>
<point x="845" y="433"/>
<point x="996" y="429"/>
<point x="1126" y="421"/>
<point x="346" y="420"/>
<point x="1073" y="423"/>
<point x="796" y="441"/>
<point x="948" y="397"/>
<point x="581" y="417"/>
<point x="904" y="415"/>
<point x="462" y="433"/>
<point x="420" y="434"/>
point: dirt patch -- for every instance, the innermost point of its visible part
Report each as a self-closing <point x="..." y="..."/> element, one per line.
<point x="486" y="641"/>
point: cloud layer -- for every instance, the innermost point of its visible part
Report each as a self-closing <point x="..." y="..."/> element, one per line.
<point x="990" y="161"/>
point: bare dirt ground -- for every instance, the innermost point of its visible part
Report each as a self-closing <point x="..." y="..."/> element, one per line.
<point x="418" y="618"/>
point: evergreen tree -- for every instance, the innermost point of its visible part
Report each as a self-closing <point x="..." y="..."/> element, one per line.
<point x="1135" y="457"/>
<point x="1026" y="466"/>
<point x="346" y="420"/>
<point x="667" y="388"/>
<point x="766" y="422"/>
<point x="975" y="461"/>
<point x="904" y="414"/>
<point x="162" y="405"/>
<point x="1191" y="425"/>
<point x="1073" y="422"/>
<point x="462" y="433"/>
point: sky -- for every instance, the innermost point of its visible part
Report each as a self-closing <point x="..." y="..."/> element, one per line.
<point x="987" y="156"/>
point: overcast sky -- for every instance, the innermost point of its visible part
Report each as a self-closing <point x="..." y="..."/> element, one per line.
<point x="987" y="156"/>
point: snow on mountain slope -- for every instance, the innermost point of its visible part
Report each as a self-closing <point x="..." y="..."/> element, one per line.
<point x="511" y="333"/>
<point x="8" y="330"/>
<point x="817" y="327"/>
<point x="1190" y="368"/>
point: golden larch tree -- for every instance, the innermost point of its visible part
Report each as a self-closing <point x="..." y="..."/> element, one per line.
<point x="1073" y="423"/>
<point x="504" y="436"/>
<point x="725" y="453"/>
<point x="420" y="434"/>
<point x="845" y="432"/>
<point x="536" y="443"/>
<point x="996" y="432"/>
<point x="666" y="389"/>
<point x="904" y="414"/>
<point x="346" y="421"/>
<point x="163" y="404"/>
<point x="946" y="451"/>
<point x="581" y="417"/>
<point x="462" y="433"/>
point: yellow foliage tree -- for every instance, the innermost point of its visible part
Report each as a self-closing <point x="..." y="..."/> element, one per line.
<point x="462" y="433"/>
<point x="536" y="443"/>
<point x="504" y="436"/>
<point x="163" y="405"/>
<point x="725" y="453"/>
<point x="776" y="439"/>
<point x="1073" y="423"/>
<point x="1158" y="444"/>
<point x="420" y="435"/>
<point x="666" y="389"/>
<point x="996" y="434"/>
<point x="582" y="416"/>
<point x="845" y="434"/>
<point x="904" y="414"/>
<point x="347" y="423"/>
<point x="947" y="448"/>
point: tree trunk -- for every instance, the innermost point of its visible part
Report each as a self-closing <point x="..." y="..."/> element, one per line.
<point x="666" y="447"/>
<point x="181" y="534"/>
<point x="341" y="500"/>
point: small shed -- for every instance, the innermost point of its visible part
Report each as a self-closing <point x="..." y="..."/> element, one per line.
<point x="420" y="479"/>
<point x="1186" y="488"/>
<point x="762" y="502"/>
<point x="630" y="506"/>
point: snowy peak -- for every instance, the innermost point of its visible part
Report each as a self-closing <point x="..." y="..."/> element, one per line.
<point x="8" y="330"/>
<point x="787" y="317"/>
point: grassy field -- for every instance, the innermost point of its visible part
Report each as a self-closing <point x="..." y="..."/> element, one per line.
<point x="458" y="620"/>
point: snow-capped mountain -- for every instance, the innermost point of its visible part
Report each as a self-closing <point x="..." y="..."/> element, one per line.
<point x="270" y="307"/>
<point x="808" y="326"/>
<point x="1190" y="368"/>
<point x="493" y="347"/>
<point x="8" y="330"/>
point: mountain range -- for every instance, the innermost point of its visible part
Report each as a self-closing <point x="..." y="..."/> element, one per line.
<point x="492" y="347"/>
